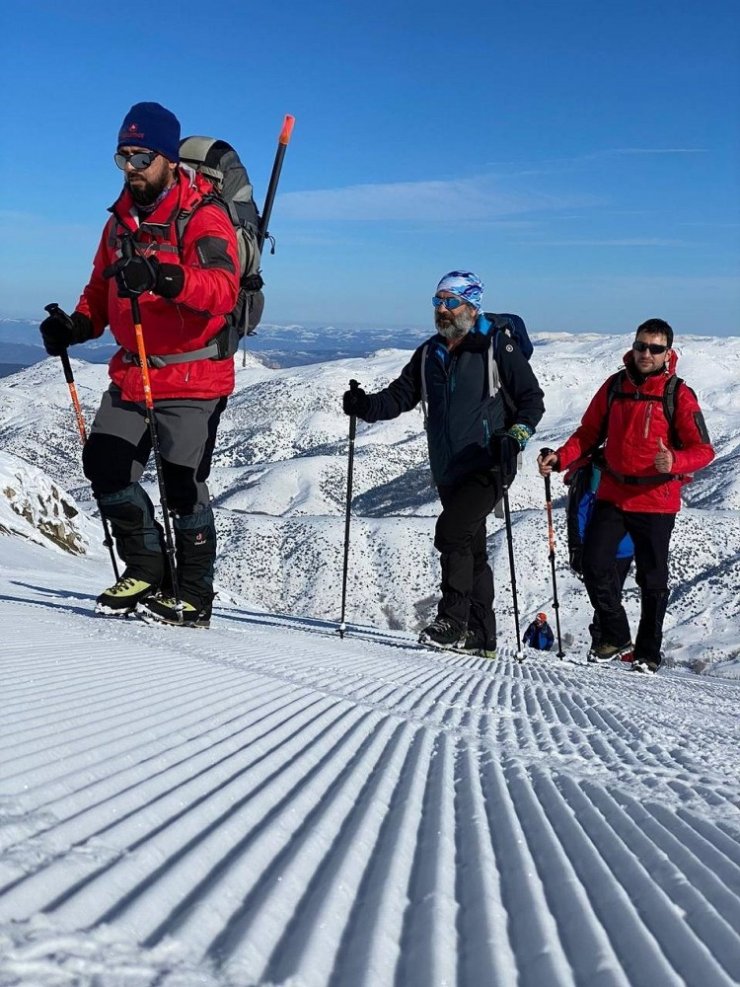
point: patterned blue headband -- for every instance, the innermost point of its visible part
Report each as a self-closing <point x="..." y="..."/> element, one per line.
<point x="465" y="285"/>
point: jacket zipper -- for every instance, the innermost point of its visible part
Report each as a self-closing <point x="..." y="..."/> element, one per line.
<point x="648" y="419"/>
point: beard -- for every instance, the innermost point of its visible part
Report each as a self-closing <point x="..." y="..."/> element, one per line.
<point x="454" y="325"/>
<point x="145" y="192"/>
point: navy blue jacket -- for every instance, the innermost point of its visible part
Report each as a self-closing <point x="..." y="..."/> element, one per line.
<point x="462" y="415"/>
<point x="539" y="636"/>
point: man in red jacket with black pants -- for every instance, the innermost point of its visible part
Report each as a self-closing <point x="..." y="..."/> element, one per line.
<point x="187" y="287"/>
<point x="645" y="460"/>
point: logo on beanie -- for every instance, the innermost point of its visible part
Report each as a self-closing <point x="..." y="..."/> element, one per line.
<point x="133" y="131"/>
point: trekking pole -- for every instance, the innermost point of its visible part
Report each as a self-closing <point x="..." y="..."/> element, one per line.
<point x="510" y="542"/>
<point x="551" y="539"/>
<point x="262" y="231"/>
<point x="353" y="386"/>
<point x="127" y="250"/>
<point x="283" y="139"/>
<point x="59" y="313"/>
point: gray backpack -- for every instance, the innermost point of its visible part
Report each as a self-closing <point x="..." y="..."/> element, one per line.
<point x="219" y="163"/>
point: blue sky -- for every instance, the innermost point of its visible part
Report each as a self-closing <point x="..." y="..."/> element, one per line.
<point x="581" y="157"/>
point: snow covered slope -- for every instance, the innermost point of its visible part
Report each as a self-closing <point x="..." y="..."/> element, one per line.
<point x="265" y="804"/>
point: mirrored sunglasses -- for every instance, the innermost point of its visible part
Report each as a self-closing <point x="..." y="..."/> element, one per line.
<point x="655" y="348"/>
<point x="449" y="303"/>
<point x="139" y="160"/>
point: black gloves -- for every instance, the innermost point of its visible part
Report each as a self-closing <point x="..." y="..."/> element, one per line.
<point x="504" y="449"/>
<point x="355" y="402"/>
<point x="60" y="330"/>
<point x="137" y="274"/>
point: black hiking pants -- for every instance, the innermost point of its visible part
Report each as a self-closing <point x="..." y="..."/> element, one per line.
<point x="623" y="567"/>
<point x="460" y="538"/>
<point x="651" y="535"/>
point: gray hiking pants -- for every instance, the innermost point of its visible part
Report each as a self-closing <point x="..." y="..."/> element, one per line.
<point x="119" y="446"/>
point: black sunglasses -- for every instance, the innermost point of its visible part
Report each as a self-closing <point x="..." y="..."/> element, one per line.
<point x="139" y="160"/>
<point x="655" y="348"/>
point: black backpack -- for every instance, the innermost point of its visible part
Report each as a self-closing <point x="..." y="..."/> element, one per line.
<point x="219" y="163"/>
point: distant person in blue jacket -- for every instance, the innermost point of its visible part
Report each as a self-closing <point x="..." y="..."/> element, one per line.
<point x="539" y="634"/>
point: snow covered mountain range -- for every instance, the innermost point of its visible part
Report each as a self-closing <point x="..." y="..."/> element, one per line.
<point x="279" y="485"/>
<point x="266" y="805"/>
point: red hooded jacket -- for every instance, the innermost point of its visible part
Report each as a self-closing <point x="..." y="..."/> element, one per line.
<point x="632" y="434"/>
<point x="208" y="254"/>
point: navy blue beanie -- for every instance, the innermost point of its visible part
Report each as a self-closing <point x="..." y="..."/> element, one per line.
<point x="151" y="126"/>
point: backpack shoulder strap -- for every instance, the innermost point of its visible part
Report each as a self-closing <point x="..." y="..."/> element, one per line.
<point x="494" y="376"/>
<point x="669" y="407"/>
<point x="615" y="387"/>
<point x="495" y="384"/>
<point x="424" y="392"/>
<point x="185" y="215"/>
<point x="613" y="390"/>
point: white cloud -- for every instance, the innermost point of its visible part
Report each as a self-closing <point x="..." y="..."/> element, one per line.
<point x="464" y="200"/>
<point x="616" y="242"/>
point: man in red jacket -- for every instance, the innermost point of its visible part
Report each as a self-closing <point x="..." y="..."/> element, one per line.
<point x="645" y="460"/>
<point x="186" y="280"/>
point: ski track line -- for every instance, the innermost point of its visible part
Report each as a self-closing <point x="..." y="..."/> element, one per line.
<point x="533" y="934"/>
<point x="335" y="862"/>
<point x="370" y="949"/>
<point x="206" y="884"/>
<point x="591" y="955"/>
<point x="639" y="866"/>
<point x="143" y="821"/>
<point x="690" y="885"/>
<point x="327" y="815"/>
<point x="121" y="725"/>
<point x="115" y="797"/>
<point x="485" y="954"/>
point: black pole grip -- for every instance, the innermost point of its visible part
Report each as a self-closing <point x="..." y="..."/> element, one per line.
<point x="127" y="247"/>
<point x="58" y="312"/>
<point x="67" y="367"/>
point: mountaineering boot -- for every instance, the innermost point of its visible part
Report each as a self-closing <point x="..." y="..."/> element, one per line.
<point x="646" y="666"/>
<point x="139" y="542"/>
<point x="443" y="633"/>
<point x="166" y="610"/>
<point x="475" y="644"/>
<point x="605" y="651"/>
<point x="121" y="598"/>
<point x="195" y="545"/>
